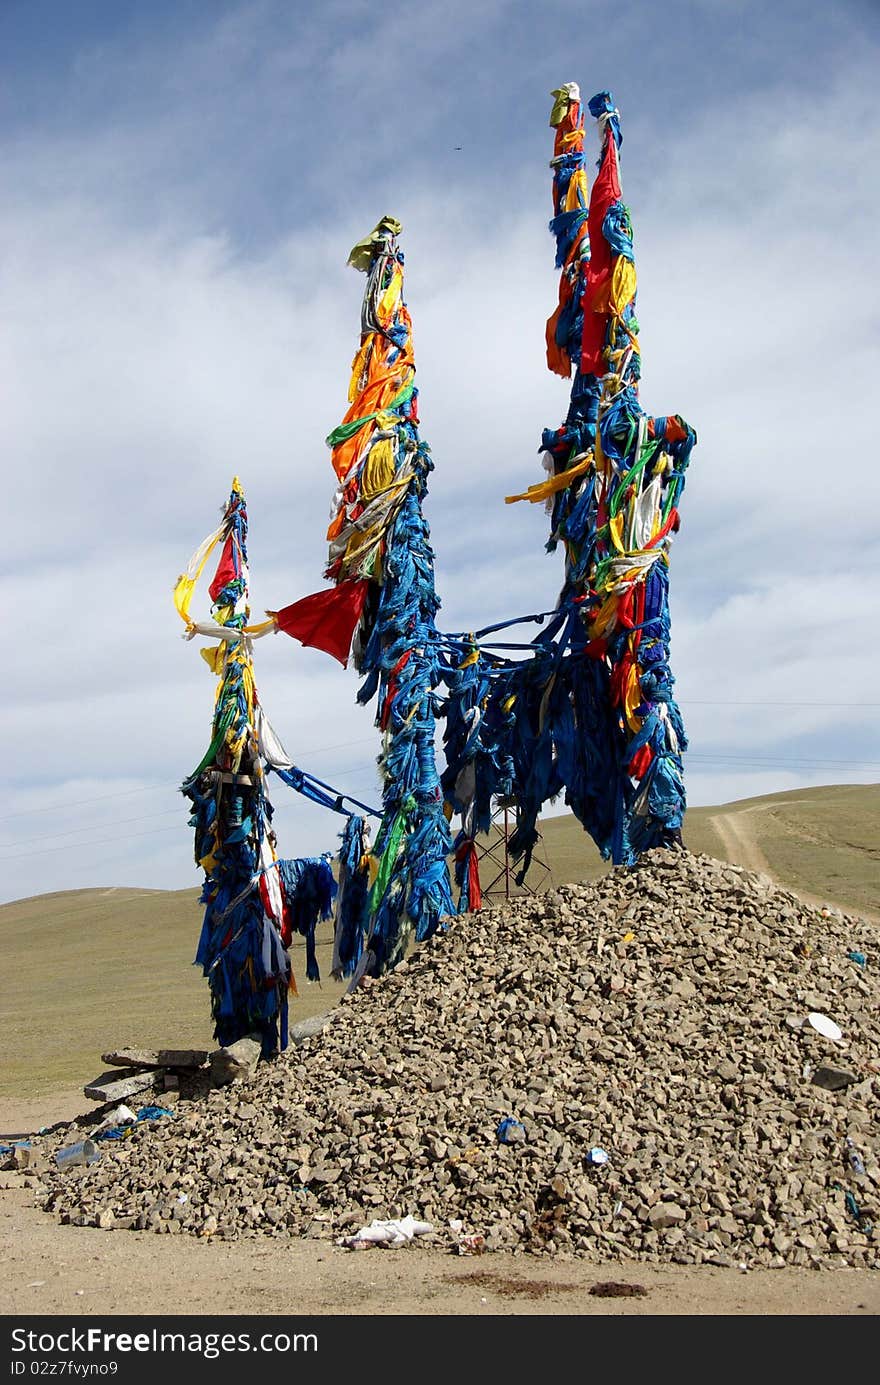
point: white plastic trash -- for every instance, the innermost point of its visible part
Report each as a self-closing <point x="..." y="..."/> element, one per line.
<point x="825" y="1026"/>
<point x="85" y="1152"/>
<point x="122" y="1115"/>
<point x="388" y="1233"/>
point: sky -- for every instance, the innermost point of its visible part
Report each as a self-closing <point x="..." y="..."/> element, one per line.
<point x="182" y="184"/>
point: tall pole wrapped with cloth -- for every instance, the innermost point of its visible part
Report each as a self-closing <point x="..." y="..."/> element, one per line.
<point x="614" y="484"/>
<point x="380" y="554"/>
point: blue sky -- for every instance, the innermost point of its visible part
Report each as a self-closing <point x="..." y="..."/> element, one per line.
<point x="183" y="184"/>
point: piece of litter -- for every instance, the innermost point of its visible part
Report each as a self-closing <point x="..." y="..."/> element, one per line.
<point x="511" y="1132"/>
<point x="183" y="1197"/>
<point x="36" y="1283"/>
<point x="597" y="1156"/>
<point x="854" y="1159"/>
<point x="122" y="1115"/>
<point x="386" y="1233"/>
<point x="84" y="1152"/>
<point x="471" y="1244"/>
<point x="858" y="957"/>
<point x="825" y="1026"/>
<point x="116" y="1125"/>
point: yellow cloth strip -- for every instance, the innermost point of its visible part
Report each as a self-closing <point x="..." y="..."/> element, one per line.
<point x="388" y="301"/>
<point x="208" y="862"/>
<point x="623" y="284"/>
<point x="576" y="195"/>
<point x="544" y="489"/>
<point x="359" y="540"/>
<point x="605" y="618"/>
<point x="378" y="469"/>
<point x="632" y="697"/>
<point x="214" y="656"/>
<point x="603" y="466"/>
<point x="358" y="366"/>
<point x="262" y="628"/>
<point x="186" y="582"/>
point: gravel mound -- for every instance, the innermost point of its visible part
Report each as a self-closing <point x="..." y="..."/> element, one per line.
<point x="656" y="1016"/>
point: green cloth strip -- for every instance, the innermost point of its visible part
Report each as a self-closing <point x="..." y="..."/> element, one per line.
<point x="348" y="430"/>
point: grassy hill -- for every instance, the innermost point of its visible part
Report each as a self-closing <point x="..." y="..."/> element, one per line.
<point x="89" y="970"/>
<point x="821" y="842"/>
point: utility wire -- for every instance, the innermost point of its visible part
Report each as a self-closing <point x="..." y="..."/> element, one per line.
<point x="157" y="788"/>
<point x="365" y="740"/>
<point x="702" y="759"/>
<point x="77" y="846"/>
<point x="90" y="827"/>
<point x="798" y="762"/>
<point x="709" y="702"/>
<point x="353" y="772"/>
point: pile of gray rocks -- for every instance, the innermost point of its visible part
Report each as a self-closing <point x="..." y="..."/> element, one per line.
<point x="657" y="1016"/>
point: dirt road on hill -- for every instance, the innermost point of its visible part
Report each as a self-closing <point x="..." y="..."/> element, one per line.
<point x="738" y="838"/>
<point x="737" y="832"/>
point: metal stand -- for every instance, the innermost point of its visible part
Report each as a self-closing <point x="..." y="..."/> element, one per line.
<point x="497" y="870"/>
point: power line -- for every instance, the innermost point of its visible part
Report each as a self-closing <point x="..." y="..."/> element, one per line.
<point x="798" y="761"/>
<point x="365" y="740"/>
<point x="71" y="846"/>
<point x="83" y="802"/>
<point x="704" y="761"/>
<point x="156" y="788"/>
<point x="121" y="822"/>
<point x="708" y="702"/>
<point x="352" y="772"/>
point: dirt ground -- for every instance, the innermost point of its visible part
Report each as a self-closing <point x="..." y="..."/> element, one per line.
<point x="53" y="1269"/>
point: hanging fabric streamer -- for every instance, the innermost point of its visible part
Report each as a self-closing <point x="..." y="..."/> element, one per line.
<point x="353" y="901"/>
<point x="326" y="620"/>
<point x="309" y="889"/>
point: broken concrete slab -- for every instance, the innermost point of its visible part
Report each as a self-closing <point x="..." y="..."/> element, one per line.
<point x="114" y="1086"/>
<point x="156" y="1057"/>
<point x="307" y="1028"/>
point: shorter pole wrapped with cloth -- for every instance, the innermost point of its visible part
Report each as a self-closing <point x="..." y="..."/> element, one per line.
<point x="242" y="949"/>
